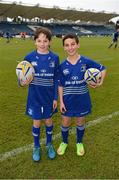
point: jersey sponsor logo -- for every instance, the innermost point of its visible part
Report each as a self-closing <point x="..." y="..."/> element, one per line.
<point x="44" y="74"/>
<point x="83" y="68"/>
<point x="66" y="71"/>
<point x="74" y="77"/>
<point x="43" y="70"/>
<point x="52" y="64"/>
<point x="74" y="82"/>
<point x="34" y="63"/>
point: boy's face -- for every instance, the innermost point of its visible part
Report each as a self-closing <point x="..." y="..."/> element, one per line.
<point x="42" y="43"/>
<point x="71" y="46"/>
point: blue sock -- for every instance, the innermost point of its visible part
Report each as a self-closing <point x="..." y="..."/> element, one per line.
<point x="49" y="131"/>
<point x="65" y="133"/>
<point x="80" y="133"/>
<point x="36" y="134"/>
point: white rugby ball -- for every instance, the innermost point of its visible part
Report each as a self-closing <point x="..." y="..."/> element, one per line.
<point x="92" y="76"/>
<point x="25" y="72"/>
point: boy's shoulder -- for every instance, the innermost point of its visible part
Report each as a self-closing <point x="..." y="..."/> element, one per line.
<point x="63" y="63"/>
<point x="82" y="58"/>
<point x="30" y="54"/>
<point x="85" y="59"/>
<point x="53" y="54"/>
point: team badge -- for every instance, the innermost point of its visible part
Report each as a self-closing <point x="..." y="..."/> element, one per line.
<point x="83" y="68"/>
<point x="52" y="64"/>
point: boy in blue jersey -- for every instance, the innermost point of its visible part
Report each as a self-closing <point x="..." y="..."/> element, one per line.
<point x="73" y="91"/>
<point x="43" y="90"/>
<point x="115" y="39"/>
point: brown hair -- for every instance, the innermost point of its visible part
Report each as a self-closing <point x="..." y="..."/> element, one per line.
<point x="71" y="36"/>
<point x="43" y="30"/>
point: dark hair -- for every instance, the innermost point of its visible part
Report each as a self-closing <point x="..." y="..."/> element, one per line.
<point x="43" y="30"/>
<point x="71" y="36"/>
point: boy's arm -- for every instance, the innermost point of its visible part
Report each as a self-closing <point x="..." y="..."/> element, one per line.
<point x="56" y="85"/>
<point x="62" y="106"/>
<point x="103" y="72"/>
<point x="60" y="90"/>
<point x="56" y="77"/>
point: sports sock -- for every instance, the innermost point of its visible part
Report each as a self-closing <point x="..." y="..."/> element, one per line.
<point x="116" y="45"/>
<point x="36" y="134"/>
<point x="65" y="133"/>
<point x="49" y="132"/>
<point x="80" y="133"/>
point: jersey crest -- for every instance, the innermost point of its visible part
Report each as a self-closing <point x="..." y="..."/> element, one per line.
<point x="52" y="64"/>
<point x="83" y="67"/>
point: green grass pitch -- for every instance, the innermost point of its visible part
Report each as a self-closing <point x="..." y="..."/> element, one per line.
<point x="101" y="139"/>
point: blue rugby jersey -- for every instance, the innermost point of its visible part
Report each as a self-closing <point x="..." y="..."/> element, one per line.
<point x="44" y="87"/>
<point x="75" y="90"/>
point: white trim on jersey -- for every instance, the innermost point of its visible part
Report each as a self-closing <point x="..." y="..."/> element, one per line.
<point x="42" y="82"/>
<point x="75" y="90"/>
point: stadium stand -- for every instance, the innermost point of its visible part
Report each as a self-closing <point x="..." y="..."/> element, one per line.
<point x="25" y="11"/>
<point x="14" y="29"/>
<point x="90" y="23"/>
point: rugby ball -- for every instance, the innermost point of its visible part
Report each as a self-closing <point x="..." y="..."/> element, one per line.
<point x="92" y="76"/>
<point x="25" y="73"/>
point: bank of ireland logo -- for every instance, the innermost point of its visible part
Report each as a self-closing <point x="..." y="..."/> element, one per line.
<point x="43" y="70"/>
<point x="66" y="71"/>
<point x="74" y="78"/>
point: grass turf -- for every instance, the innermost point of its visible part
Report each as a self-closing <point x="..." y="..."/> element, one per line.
<point x="101" y="141"/>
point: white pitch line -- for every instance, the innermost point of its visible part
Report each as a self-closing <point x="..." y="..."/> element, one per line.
<point x="20" y="150"/>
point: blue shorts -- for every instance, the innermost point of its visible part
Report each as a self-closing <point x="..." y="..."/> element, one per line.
<point x="76" y="114"/>
<point x="39" y="113"/>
